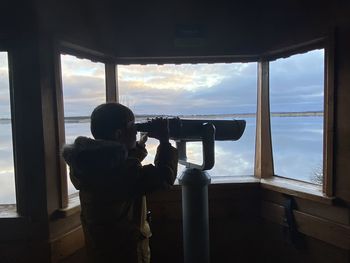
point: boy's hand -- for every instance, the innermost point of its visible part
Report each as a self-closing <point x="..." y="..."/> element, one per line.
<point x="160" y="129"/>
<point x="143" y="139"/>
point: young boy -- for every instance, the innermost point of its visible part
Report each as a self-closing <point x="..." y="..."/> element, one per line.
<point x="112" y="183"/>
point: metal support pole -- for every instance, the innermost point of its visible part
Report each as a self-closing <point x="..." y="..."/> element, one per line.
<point x="195" y="215"/>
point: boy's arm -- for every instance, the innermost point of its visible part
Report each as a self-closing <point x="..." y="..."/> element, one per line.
<point x="167" y="158"/>
<point x="139" y="152"/>
<point x="161" y="175"/>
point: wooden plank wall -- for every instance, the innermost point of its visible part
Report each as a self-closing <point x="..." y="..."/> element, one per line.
<point x="247" y="225"/>
<point x="233" y="219"/>
<point x="324" y="228"/>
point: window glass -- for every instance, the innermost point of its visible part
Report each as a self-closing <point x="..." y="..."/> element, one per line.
<point x="83" y="83"/>
<point x="296" y="104"/>
<point x="7" y="178"/>
<point x="207" y="91"/>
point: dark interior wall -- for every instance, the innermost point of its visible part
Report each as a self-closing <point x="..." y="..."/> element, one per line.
<point x="276" y="248"/>
<point x="336" y="17"/>
<point x="17" y="18"/>
<point x="342" y="102"/>
<point x="149" y="29"/>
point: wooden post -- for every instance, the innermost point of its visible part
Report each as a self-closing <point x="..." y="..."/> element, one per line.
<point x="263" y="146"/>
<point x="328" y="128"/>
<point x="111" y="82"/>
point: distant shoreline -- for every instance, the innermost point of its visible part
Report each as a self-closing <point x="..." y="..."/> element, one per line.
<point x="84" y="119"/>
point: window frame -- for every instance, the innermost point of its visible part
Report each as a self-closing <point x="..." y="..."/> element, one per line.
<point x="265" y="165"/>
<point x="63" y="47"/>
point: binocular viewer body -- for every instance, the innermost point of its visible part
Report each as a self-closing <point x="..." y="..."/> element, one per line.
<point x="192" y="129"/>
<point x="204" y="130"/>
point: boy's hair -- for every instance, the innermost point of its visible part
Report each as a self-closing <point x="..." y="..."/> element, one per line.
<point x="107" y="118"/>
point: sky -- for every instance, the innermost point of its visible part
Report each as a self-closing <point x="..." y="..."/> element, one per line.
<point x="296" y="84"/>
<point x="4" y="87"/>
<point x="83" y="83"/>
<point x="189" y="88"/>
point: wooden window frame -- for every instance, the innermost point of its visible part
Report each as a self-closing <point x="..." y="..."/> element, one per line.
<point x="111" y="86"/>
<point x="264" y="166"/>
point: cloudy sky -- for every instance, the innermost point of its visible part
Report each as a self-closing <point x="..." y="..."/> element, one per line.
<point x="296" y="85"/>
<point x="83" y="84"/>
<point x="189" y="88"/>
<point x="4" y="87"/>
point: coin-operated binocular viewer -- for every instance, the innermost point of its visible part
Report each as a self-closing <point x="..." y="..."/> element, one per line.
<point x="195" y="179"/>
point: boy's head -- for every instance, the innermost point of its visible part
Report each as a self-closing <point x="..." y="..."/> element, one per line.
<point x="114" y="121"/>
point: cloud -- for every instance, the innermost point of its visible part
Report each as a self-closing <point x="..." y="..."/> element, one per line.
<point x="184" y="76"/>
<point x="83" y="84"/>
<point x="4" y="92"/>
<point x="296" y="83"/>
<point x="72" y="65"/>
<point x="235" y="84"/>
<point x="3" y="60"/>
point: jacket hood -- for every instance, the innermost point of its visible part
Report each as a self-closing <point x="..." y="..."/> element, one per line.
<point x="89" y="156"/>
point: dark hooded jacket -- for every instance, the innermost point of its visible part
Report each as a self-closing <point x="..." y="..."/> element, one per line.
<point x="112" y="185"/>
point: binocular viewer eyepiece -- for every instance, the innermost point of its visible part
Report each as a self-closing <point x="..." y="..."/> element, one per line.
<point x="192" y="130"/>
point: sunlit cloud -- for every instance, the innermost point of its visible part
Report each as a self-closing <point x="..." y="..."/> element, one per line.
<point x="165" y="89"/>
<point x="178" y="77"/>
<point x="83" y="84"/>
<point x="73" y="66"/>
<point x="222" y="95"/>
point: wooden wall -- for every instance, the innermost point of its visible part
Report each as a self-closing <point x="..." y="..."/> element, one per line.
<point x="233" y="219"/>
<point x="323" y="230"/>
<point x="247" y="224"/>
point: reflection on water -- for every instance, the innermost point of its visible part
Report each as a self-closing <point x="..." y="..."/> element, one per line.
<point x="232" y="158"/>
<point x="297" y="151"/>
<point x="297" y="147"/>
<point x="7" y="178"/>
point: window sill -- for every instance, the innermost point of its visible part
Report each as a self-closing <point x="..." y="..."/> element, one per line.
<point x="234" y="179"/>
<point x="228" y="180"/>
<point x="296" y="188"/>
<point x="14" y="226"/>
<point x="72" y="208"/>
<point x="8" y="211"/>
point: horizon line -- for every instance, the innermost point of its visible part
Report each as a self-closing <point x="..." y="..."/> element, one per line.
<point x="274" y="114"/>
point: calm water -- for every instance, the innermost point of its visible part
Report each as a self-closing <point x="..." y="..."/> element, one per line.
<point x="297" y="151"/>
